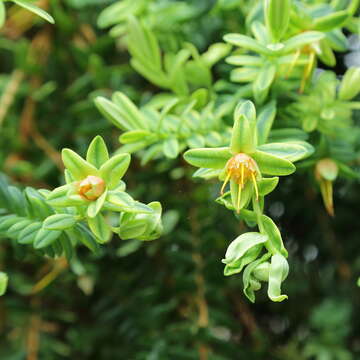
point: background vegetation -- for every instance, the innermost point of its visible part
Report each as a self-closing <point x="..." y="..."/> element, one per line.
<point x="166" y="299"/>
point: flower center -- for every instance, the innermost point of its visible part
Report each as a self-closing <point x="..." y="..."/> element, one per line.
<point x="241" y="168"/>
<point x="91" y="187"/>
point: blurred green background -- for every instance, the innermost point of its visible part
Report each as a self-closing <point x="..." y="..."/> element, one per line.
<point x="167" y="299"/>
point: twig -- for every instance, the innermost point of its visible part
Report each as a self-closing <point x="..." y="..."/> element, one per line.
<point x="8" y="96"/>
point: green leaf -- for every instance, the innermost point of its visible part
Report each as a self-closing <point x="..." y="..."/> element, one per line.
<point x="241" y="245"/>
<point x="298" y="41"/>
<point x="134" y="136"/>
<point x="27" y="235"/>
<point x="45" y="237"/>
<point x="114" y="169"/>
<point x="206" y="173"/>
<point x="331" y="21"/>
<point x="250" y="283"/>
<point x="278" y="272"/>
<point x="100" y="228"/>
<point x="85" y="236"/>
<point x="3" y="283"/>
<point x="214" y="53"/>
<point x="78" y="167"/>
<point x="59" y="222"/>
<point x="196" y="141"/>
<point x="273" y="165"/>
<point x="133" y="229"/>
<point x="242" y="138"/>
<point x="112" y="112"/>
<point x="171" y="148"/>
<point x="241" y="60"/>
<point x="267" y="185"/>
<point x="247" y="108"/>
<point x="129" y="111"/>
<point x="245" y="197"/>
<point x="95" y="206"/>
<point x="7" y="221"/>
<point x="59" y="197"/>
<point x="277" y="16"/>
<point x="275" y="243"/>
<point x="247" y="42"/>
<point x="154" y="226"/>
<point x="35" y="9"/>
<point x="97" y="153"/>
<point x="244" y="74"/>
<point x="2" y="14"/>
<point x="214" y="158"/>
<point x="265" y="121"/>
<point x="15" y="229"/>
<point x="350" y="84"/>
<point x="244" y="133"/>
<point x="289" y="151"/>
<point x="326" y="54"/>
<point x="263" y="82"/>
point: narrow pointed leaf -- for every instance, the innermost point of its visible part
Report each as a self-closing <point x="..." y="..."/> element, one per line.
<point x="242" y="138"/>
<point x="45" y="237"/>
<point x="35" y="9"/>
<point x="298" y="41"/>
<point x="78" y="167"/>
<point x="27" y="235"/>
<point x="350" y="84"/>
<point x="273" y="165"/>
<point x="171" y="148"/>
<point x="95" y="206"/>
<point x="59" y="222"/>
<point x="97" y="153"/>
<point x="247" y="42"/>
<point x="275" y="243"/>
<point x="265" y="121"/>
<point x="100" y="228"/>
<point x="289" y="151"/>
<point x="214" y="158"/>
<point x="238" y="248"/>
<point x="114" y="169"/>
<point x="331" y="21"/>
<point x="277" y="15"/>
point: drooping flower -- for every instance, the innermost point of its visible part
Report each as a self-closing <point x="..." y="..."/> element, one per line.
<point x="247" y="159"/>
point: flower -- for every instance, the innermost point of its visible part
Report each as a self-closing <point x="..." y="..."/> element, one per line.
<point x="248" y="158"/>
<point x="239" y="169"/>
<point x="91" y="188"/>
<point x="326" y="171"/>
<point x="94" y="186"/>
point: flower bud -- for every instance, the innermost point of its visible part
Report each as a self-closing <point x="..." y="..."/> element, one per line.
<point x="91" y="187"/>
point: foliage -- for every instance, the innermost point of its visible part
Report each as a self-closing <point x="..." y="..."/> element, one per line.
<point x="241" y="90"/>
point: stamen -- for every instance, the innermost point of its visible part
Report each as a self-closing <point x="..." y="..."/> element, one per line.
<point x="238" y="199"/>
<point x="242" y="175"/>
<point x="307" y="71"/>
<point x="228" y="176"/>
<point x="255" y="186"/>
<point x="293" y="63"/>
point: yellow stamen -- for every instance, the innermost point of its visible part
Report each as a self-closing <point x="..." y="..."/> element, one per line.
<point x="242" y="175"/>
<point x="293" y="63"/>
<point x="228" y="176"/>
<point x="307" y="71"/>
<point x="255" y="186"/>
<point x="238" y="199"/>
